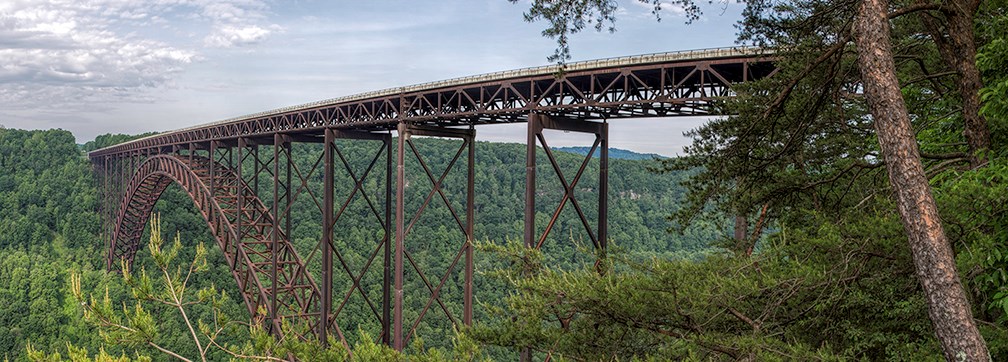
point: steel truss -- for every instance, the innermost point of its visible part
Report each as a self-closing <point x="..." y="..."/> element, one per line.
<point x="382" y="215"/>
<point x="677" y="87"/>
<point x="599" y="237"/>
<point x="406" y="132"/>
<point x="269" y="272"/>
<point x="223" y="178"/>
<point x="536" y="124"/>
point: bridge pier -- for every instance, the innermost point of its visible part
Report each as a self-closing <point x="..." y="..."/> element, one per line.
<point x="536" y="124"/>
<point x="405" y="133"/>
<point x="331" y="216"/>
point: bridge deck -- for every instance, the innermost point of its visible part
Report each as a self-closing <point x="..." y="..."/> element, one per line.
<point x="650" y="85"/>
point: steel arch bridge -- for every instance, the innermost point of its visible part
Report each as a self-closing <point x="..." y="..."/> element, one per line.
<point x="229" y="168"/>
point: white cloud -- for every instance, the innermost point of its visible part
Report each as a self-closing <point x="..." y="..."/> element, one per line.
<point x="229" y="35"/>
<point x="66" y="54"/>
<point x="668" y="9"/>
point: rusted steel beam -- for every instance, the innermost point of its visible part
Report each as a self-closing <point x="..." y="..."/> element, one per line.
<point x="327" y="232"/>
<point x="387" y="265"/>
<point x="603" y="203"/>
<point x="240" y="193"/>
<point x="467" y="304"/>
<point x="397" y="332"/>
<point x="534" y="128"/>
<point x="278" y="143"/>
<point x="213" y="178"/>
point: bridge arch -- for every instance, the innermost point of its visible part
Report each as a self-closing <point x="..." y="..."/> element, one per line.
<point x="268" y="271"/>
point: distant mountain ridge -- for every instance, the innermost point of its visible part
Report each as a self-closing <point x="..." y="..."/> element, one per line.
<point x="614" y="153"/>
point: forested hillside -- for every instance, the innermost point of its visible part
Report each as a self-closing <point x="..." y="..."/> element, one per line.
<point x="48" y="229"/>
<point x="614" y="153"/>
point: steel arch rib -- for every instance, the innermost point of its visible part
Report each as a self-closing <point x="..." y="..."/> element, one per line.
<point x="250" y="258"/>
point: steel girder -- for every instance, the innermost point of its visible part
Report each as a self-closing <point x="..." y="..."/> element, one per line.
<point x="537" y="123"/>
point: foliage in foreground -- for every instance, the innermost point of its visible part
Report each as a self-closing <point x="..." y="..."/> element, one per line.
<point x="134" y="327"/>
<point x="829" y="292"/>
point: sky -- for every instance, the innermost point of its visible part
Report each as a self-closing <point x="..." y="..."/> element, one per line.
<point x="119" y="66"/>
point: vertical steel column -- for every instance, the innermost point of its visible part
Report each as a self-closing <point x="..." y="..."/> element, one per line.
<point x="213" y="167"/>
<point x="467" y="303"/>
<point x="110" y="210"/>
<point x="231" y="156"/>
<point x="255" y="169"/>
<point x="603" y="202"/>
<point x="119" y="187"/>
<point x="397" y="336"/>
<point x="120" y="168"/>
<point x="534" y="128"/>
<point x="327" y="231"/>
<point x="387" y="265"/>
<point x="110" y="198"/>
<point x="240" y="193"/>
<point x="288" y="150"/>
<point x="100" y="188"/>
<point x="113" y="202"/>
<point x="236" y="192"/>
<point x="275" y="242"/>
<point x="107" y="211"/>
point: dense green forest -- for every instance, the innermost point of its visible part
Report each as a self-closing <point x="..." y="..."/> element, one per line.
<point x="614" y="153"/>
<point x="49" y="230"/>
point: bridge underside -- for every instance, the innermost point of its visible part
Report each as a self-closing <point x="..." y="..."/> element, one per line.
<point x="246" y="190"/>
<point x="244" y="178"/>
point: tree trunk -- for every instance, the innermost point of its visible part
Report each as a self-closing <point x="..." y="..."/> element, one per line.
<point x="741" y="228"/>
<point x="947" y="304"/>
<point x="958" y="51"/>
<point x="975" y="128"/>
